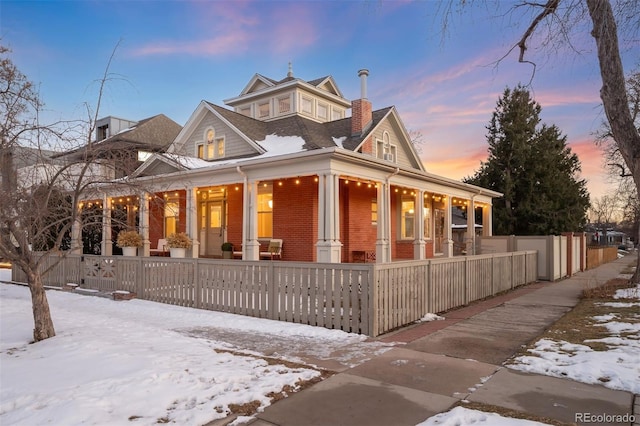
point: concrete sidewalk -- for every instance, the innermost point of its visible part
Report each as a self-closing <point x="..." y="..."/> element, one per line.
<point x="437" y="364"/>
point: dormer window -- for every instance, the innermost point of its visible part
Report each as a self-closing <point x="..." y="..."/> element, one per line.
<point x="284" y="105"/>
<point x="322" y="110"/>
<point x="213" y="146"/>
<point x="263" y="110"/>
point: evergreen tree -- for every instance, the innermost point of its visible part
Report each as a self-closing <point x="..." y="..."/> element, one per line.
<point x="534" y="168"/>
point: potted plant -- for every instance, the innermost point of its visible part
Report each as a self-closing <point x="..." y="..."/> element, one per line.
<point x="129" y="241"/>
<point x="227" y="250"/>
<point x="178" y="244"/>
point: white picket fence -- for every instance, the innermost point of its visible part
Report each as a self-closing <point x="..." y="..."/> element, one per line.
<point x="361" y="298"/>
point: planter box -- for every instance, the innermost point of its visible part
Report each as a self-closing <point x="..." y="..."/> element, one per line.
<point x="129" y="251"/>
<point x="178" y="252"/>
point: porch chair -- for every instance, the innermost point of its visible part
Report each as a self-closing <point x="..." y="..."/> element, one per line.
<point x="274" y="250"/>
<point x="161" y="250"/>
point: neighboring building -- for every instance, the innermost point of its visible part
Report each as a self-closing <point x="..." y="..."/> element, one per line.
<point x="287" y="163"/>
<point x="121" y="145"/>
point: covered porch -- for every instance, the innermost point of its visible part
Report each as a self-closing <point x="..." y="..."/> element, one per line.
<point x="328" y="208"/>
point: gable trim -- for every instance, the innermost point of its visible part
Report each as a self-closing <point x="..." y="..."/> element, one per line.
<point x="393" y="113"/>
<point x="195" y="119"/>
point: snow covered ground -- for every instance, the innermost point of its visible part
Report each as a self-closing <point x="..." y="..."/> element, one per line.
<point x="615" y="368"/>
<point x="137" y="362"/>
<point x="460" y="416"/>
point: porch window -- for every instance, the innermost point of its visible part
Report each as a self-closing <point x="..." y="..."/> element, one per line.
<point x="336" y="114"/>
<point x="171" y="213"/>
<point x="374" y="211"/>
<point x="427" y="217"/>
<point x="407" y="218"/>
<point x="427" y="223"/>
<point x="245" y="111"/>
<point x="265" y="210"/>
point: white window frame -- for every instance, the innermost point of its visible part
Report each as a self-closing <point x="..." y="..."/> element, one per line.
<point x="281" y="101"/>
<point x="304" y="99"/>
<point x="324" y="108"/>
<point x="211" y="148"/>
<point x="268" y="110"/>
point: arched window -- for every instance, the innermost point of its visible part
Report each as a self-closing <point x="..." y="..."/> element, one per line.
<point x="212" y="146"/>
<point x="384" y="149"/>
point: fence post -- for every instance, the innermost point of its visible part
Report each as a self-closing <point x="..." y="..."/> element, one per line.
<point x="513" y="271"/>
<point x="466" y="280"/>
<point x="197" y="288"/>
<point x="140" y="278"/>
<point x="272" y="291"/>
<point x="373" y="303"/>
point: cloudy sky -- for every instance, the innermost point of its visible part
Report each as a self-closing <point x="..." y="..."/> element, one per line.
<point x="170" y="55"/>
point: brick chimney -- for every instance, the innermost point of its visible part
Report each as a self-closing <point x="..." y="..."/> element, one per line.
<point x="361" y="116"/>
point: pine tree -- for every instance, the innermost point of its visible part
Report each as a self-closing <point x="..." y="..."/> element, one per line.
<point x="534" y="168"/>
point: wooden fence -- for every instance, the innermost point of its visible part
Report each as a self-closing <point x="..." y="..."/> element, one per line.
<point x="597" y="256"/>
<point x="368" y="299"/>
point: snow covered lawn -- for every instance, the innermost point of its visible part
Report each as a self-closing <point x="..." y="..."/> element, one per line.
<point x="136" y="362"/>
<point x="616" y="367"/>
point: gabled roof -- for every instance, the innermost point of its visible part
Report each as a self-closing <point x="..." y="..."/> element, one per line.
<point x="316" y="135"/>
<point x="259" y="85"/>
<point x="153" y="134"/>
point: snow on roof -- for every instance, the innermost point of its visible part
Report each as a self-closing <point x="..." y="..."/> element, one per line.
<point x="280" y="145"/>
<point x="339" y="141"/>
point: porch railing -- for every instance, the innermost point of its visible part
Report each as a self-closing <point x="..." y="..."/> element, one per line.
<point x="362" y="298"/>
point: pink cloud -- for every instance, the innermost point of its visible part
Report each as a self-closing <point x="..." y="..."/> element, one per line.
<point x="232" y="28"/>
<point x="221" y="45"/>
<point x="294" y="28"/>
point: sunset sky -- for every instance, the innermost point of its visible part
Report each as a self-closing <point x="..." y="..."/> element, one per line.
<point x="172" y="54"/>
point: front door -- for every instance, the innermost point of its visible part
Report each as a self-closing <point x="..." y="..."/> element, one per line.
<point x="215" y="224"/>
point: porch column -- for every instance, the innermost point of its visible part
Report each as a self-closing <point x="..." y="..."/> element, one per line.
<point x="328" y="246"/>
<point x="419" y="244"/>
<point x="471" y="228"/>
<point x="383" y="248"/>
<point x="487" y="223"/>
<point x="144" y="224"/>
<point x="192" y="221"/>
<point x="106" y="246"/>
<point x="447" y="245"/>
<point x="250" y="243"/>
<point x="76" y="232"/>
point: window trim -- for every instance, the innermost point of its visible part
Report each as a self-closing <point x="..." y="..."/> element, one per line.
<point x="210" y="145"/>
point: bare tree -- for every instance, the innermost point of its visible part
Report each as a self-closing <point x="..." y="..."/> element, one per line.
<point x="603" y="210"/>
<point x="39" y="214"/>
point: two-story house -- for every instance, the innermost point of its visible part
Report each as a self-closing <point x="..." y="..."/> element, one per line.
<point x="284" y="160"/>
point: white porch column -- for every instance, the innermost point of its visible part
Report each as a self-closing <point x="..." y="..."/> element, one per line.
<point x="76" y="232"/>
<point x="447" y="245"/>
<point x="250" y="243"/>
<point x="419" y="244"/>
<point x="106" y="246"/>
<point x="144" y="224"/>
<point x="328" y="246"/>
<point x="192" y="221"/>
<point x="470" y="243"/>
<point x="383" y="247"/>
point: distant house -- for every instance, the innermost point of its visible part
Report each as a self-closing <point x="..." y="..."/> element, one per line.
<point x="284" y="161"/>
<point x="122" y="145"/>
